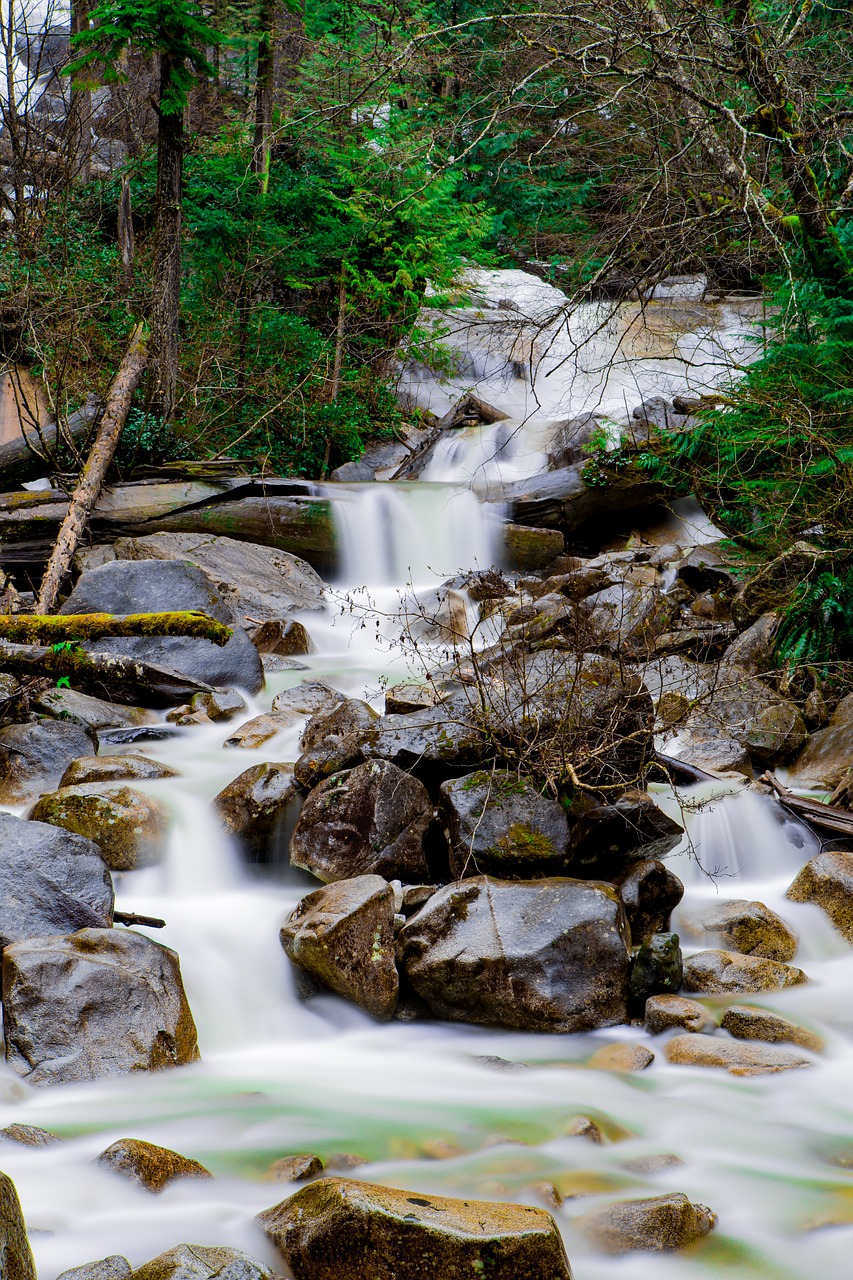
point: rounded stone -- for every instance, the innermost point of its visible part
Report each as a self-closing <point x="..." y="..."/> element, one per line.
<point x="149" y="1166"/>
<point x="661" y="1224"/>
<point x="748" y="927"/>
<point x="128" y="826"/>
<point x="729" y="972"/>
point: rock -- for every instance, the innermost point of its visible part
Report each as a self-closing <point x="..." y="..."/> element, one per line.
<point x="498" y="824"/>
<point x="657" y="968"/>
<point x="562" y="500"/>
<point x="748" y="927"/>
<point x="309" y="698"/>
<point x="607" y="836"/>
<point x="149" y="1166"/>
<point x="376" y="457"/>
<point x="258" y="582"/>
<point x="542" y="955"/>
<point x="569" y="439"/>
<point x="620" y="1056"/>
<point x="337" y="1229"/>
<point x="815" y="712"/>
<point x="50" y="882"/>
<point x="745" y="1023"/>
<point x="528" y="549"/>
<point x="28" y="1135"/>
<point x="664" y="1012"/>
<point x="741" y="707"/>
<point x="114" y="769"/>
<point x="753" y="650"/>
<point x="222" y="704"/>
<point x="739" y="1058"/>
<point x="201" y="1262"/>
<point x="332" y="755"/>
<point x="729" y="972"/>
<point x="371" y="820"/>
<point x="255" y="732"/>
<point x="583" y="1127"/>
<point x="128" y="826"/>
<point x="776" y="734"/>
<point x="774" y="584"/>
<point x="123" y="587"/>
<point x="661" y="1224"/>
<point x="112" y="1268"/>
<point x="352" y="716"/>
<point x="97" y="1003"/>
<point x="93" y="713"/>
<point x="257" y="804"/>
<point x="283" y="637"/>
<point x="343" y="936"/>
<point x="650" y="892"/>
<point x="825" y="761"/>
<point x="16" y="1259"/>
<point x="400" y="699"/>
<point x="626" y="617"/>
<point x="294" y="1169"/>
<point x="33" y="757"/>
<point x="827" y="880"/>
<point x="705" y="569"/>
<point x="429" y="740"/>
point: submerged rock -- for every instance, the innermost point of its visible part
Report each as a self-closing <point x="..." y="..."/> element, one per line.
<point x="746" y="1023"/>
<point x="541" y="955"/>
<point x="748" y="927"/>
<point x="29" y="1135"/>
<point x="257" y="803"/>
<point x="149" y="1166"/>
<point x="738" y="1057"/>
<point x="97" y="1003"/>
<point x="370" y="820"/>
<point x="621" y="1057"/>
<point x="337" y="1229"/>
<point x="33" y="757"/>
<point x="729" y="972"/>
<point x="661" y="1224"/>
<point x="114" y="769"/>
<point x="827" y="880"/>
<point x="203" y="1262"/>
<point x="343" y="936"/>
<point x="128" y="826"/>
<point x="16" y="1259"/>
<point x="498" y="824"/>
<point x="294" y="1169"/>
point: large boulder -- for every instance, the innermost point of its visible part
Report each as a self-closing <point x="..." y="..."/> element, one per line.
<point x="498" y="824"/>
<point x="123" y="587"/>
<point x="827" y="757"/>
<point x="343" y="936"/>
<point x="748" y="927"/>
<point x="541" y="955"/>
<point x="661" y="1224"/>
<point x="50" y="882"/>
<point x="257" y="805"/>
<point x="827" y="880"/>
<point x="563" y="500"/>
<point x="729" y="972"/>
<point x="203" y="1262"/>
<point x="33" y="757"/>
<point x="337" y="1229"/>
<point x="16" y="1259"/>
<point x="371" y="820"/>
<point x="607" y="838"/>
<point x="98" y="1003"/>
<point x="650" y="892"/>
<point x="123" y="768"/>
<point x="128" y="826"/>
<point x="149" y="1166"/>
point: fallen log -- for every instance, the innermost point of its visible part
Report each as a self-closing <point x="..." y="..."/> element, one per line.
<point x="827" y="817"/>
<point x="116" y="679"/>
<point x="21" y="628"/>
<point x="33" y="454"/>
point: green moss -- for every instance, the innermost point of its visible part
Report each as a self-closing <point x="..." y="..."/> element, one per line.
<point x="524" y="844"/>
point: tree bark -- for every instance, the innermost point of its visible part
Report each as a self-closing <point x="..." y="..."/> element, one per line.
<point x="80" y="110"/>
<point x="64" y="628"/>
<point x="95" y="471"/>
<point x="264" y="93"/>
<point x="117" y="679"/>
<point x="165" y="309"/>
<point x="126" y="243"/>
<point x="33" y="454"/>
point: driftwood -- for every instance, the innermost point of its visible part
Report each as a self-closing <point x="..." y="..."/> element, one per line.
<point x="94" y="473"/>
<point x="21" y="628"/>
<point x="116" y="679"/>
<point x="827" y="817"/>
<point x="679" y="772"/>
<point x="33" y="454"/>
<point x="130" y="918"/>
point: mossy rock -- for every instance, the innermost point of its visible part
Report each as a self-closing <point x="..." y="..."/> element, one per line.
<point x="129" y="827"/>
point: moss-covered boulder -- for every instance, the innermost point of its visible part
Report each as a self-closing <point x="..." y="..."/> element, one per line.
<point x="124" y="768"/>
<point x="128" y="826"/>
<point x="746" y="1023"/>
<point x="16" y="1259"/>
<point x="661" y="1224"/>
<point x="149" y="1166"/>
<point x="255" y="806"/>
<point x="498" y="824"/>
<point x="343" y="936"/>
<point x="730" y="973"/>
<point x="337" y="1229"/>
<point x="748" y="927"/>
<point x="827" y="880"/>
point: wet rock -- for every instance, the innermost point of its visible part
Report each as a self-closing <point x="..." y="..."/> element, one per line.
<point x="50" y="882"/>
<point x="621" y="1057"/>
<point x="352" y="716"/>
<point x="498" y="824"/>
<point x="332" y="755"/>
<point x="33" y="757"/>
<point x="775" y="583"/>
<point x="97" y="1003"/>
<point x="748" y="927"/>
<point x="137" y="587"/>
<point x="221" y="704"/>
<point x="28" y="1135"/>
<point x="257" y="803"/>
<point x="336" y="1229"/>
<point x="400" y="699"/>
<point x="650" y="892"/>
<point x="583" y="1127"/>
<point x="149" y="1166"/>
<point x="753" y="650"/>
<point x="343" y="936"/>
<point x="745" y="1023"/>
<point x="661" y="1224"/>
<point x="373" y="820"/>
<point x="128" y="826"/>
<point x="255" y="732"/>
<point x="607" y="836"/>
<point x="827" y="880"/>
<point x="729" y="972"/>
<point x="542" y="955"/>
<point x="114" y="769"/>
<point x="281" y="636"/>
<point x="310" y="698"/>
<point x="736" y="1056"/>
<point x="435" y="738"/>
<point x="665" y="1012"/>
<point x="657" y="968"/>
<point x="16" y="1259"/>
<point x="294" y="1169"/>
<point x="201" y="1262"/>
<point x="93" y="713"/>
<point x="258" y="582"/>
<point x="112" y="1268"/>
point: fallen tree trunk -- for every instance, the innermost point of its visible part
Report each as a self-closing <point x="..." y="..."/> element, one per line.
<point x="116" y="679"/>
<point x="827" y="817"/>
<point x="33" y="454"/>
<point x="22" y="628"/>
<point x="97" y="465"/>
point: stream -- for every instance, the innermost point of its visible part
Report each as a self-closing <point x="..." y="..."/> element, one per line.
<point x="771" y="1155"/>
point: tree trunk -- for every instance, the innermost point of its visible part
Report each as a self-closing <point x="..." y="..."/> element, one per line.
<point x="64" y="628"/>
<point x="118" y="679"/>
<point x="264" y="94"/>
<point x="95" y="471"/>
<point x="80" y="110"/>
<point x="126" y="243"/>
<point x="165" y="309"/>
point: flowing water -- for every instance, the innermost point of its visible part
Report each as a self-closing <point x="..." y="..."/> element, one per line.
<point x="771" y="1155"/>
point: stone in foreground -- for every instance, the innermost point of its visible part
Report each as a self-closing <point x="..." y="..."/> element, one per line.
<point x="201" y="1262"/>
<point x="112" y="1268"/>
<point x="538" y="955"/>
<point x="740" y="1058"/>
<point x="730" y="973"/>
<point x="827" y="880"/>
<point x="16" y="1259"/>
<point x="661" y="1224"/>
<point x="338" y="1229"/>
<point x="149" y="1166"/>
<point x="256" y="803"/>
<point x="343" y="936"/>
<point x="745" y="1023"/>
<point x="97" y="1003"/>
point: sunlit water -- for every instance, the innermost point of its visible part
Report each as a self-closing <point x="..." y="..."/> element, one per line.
<point x="770" y="1155"/>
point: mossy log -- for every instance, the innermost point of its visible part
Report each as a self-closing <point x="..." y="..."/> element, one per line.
<point x="116" y="679"/>
<point x="21" y="628"/>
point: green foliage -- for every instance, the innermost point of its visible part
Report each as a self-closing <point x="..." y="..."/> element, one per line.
<point x="148" y="441"/>
<point x="818" y="624"/>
